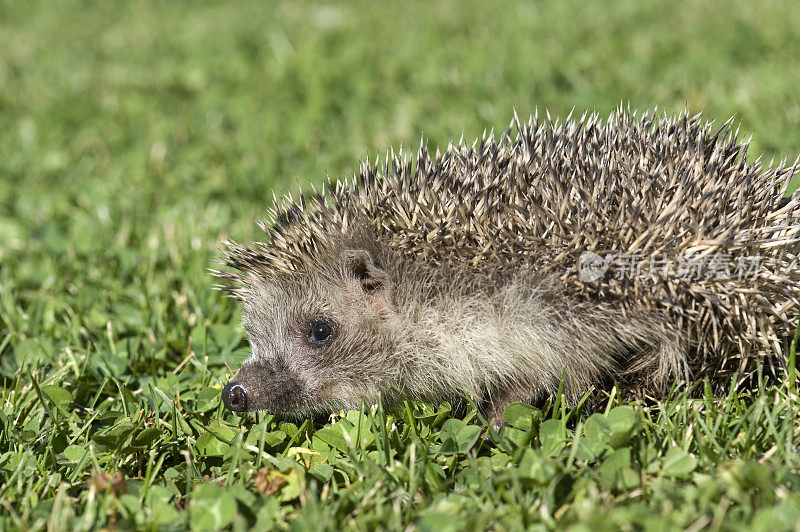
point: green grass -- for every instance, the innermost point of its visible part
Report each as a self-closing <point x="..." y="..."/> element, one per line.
<point x="135" y="136"/>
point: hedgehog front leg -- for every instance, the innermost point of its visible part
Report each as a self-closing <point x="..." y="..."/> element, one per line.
<point x="494" y="407"/>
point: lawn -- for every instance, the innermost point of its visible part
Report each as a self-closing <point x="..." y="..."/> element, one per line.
<point x="136" y="136"/>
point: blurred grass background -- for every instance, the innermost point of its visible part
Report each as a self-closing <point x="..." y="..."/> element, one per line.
<point x="135" y="136"/>
<point x="187" y="113"/>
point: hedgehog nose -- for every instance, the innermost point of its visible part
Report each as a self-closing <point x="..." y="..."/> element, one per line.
<point x="234" y="395"/>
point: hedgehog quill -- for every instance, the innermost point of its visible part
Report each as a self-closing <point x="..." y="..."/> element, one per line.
<point x="644" y="250"/>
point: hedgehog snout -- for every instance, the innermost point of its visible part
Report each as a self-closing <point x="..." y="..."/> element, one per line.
<point x="234" y="395"/>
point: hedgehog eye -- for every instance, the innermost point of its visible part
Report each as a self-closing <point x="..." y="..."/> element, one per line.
<point x="320" y="331"/>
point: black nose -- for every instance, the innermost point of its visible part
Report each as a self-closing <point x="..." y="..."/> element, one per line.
<point x="234" y="395"/>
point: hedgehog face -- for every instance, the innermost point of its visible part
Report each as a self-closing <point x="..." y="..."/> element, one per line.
<point x="320" y="339"/>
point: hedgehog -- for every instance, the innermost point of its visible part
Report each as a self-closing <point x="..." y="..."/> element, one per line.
<point x="564" y="256"/>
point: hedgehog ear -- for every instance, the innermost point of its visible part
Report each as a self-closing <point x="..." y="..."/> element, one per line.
<point x="362" y="265"/>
